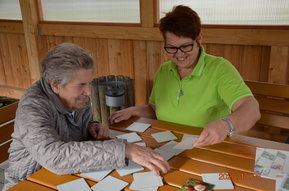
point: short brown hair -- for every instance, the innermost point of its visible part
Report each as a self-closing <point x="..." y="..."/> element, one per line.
<point x="182" y="21"/>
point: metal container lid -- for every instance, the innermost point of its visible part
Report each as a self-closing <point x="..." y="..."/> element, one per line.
<point x="115" y="92"/>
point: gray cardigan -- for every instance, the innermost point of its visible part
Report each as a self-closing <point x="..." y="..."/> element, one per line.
<point x="46" y="136"/>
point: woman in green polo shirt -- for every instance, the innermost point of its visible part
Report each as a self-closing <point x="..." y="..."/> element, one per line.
<point x="195" y="88"/>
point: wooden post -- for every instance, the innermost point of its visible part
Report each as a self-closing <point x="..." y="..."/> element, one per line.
<point x="103" y="107"/>
<point x="130" y="91"/>
<point x="30" y="22"/>
<point x="96" y="112"/>
<point x="122" y="78"/>
<point x="100" y="110"/>
<point x="112" y="109"/>
<point x="147" y="10"/>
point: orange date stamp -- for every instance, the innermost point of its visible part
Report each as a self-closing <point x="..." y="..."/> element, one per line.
<point x="239" y="176"/>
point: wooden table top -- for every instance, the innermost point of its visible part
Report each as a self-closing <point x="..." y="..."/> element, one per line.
<point x="236" y="155"/>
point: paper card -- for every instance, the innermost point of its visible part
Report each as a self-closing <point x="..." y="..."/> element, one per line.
<point x="143" y="144"/>
<point x="170" y="147"/>
<point x="190" y="136"/>
<point x="145" y="180"/>
<point x="131" y="168"/>
<point x="186" y="143"/>
<point x="114" y="133"/>
<point x="75" y="185"/>
<point x="110" y="184"/>
<point x="193" y="184"/>
<point x="96" y="175"/>
<point x="168" y="154"/>
<point x="149" y="189"/>
<point x="164" y="136"/>
<point x="130" y="137"/>
<point x="139" y="127"/>
<point x="221" y="181"/>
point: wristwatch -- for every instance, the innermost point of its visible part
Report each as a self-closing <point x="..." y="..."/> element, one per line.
<point x="231" y="126"/>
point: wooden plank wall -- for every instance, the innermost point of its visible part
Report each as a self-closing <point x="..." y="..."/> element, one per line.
<point x="137" y="51"/>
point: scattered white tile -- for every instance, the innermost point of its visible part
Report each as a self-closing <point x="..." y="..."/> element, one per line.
<point x="164" y="136"/>
<point x="130" y="137"/>
<point x="168" y="154"/>
<point x="170" y="147"/>
<point x="131" y="168"/>
<point x="110" y="184"/>
<point x="138" y="126"/>
<point x="149" y="189"/>
<point x="186" y="143"/>
<point x="75" y="185"/>
<point x="145" y="180"/>
<point x="114" y="133"/>
<point x="96" y="175"/>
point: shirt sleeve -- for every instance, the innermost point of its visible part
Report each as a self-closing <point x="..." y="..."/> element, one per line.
<point x="230" y="85"/>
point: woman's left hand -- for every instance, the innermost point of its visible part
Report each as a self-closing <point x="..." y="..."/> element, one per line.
<point x="214" y="132"/>
<point x="99" y="131"/>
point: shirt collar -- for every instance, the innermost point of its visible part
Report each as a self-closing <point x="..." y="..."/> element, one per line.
<point x="198" y="70"/>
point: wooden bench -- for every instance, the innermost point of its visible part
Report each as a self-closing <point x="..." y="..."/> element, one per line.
<point x="7" y="115"/>
<point x="274" y="105"/>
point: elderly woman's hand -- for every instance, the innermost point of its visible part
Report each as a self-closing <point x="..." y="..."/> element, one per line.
<point x="99" y="131"/>
<point x="147" y="158"/>
<point x="214" y="132"/>
<point x="121" y="115"/>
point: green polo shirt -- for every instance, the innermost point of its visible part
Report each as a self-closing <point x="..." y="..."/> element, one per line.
<point x="207" y="94"/>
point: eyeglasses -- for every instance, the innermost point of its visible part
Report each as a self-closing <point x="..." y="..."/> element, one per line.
<point x="183" y="48"/>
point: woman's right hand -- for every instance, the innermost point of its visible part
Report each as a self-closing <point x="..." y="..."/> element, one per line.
<point x="121" y="115"/>
<point x="147" y="157"/>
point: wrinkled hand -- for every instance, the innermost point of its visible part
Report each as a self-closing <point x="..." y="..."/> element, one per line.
<point x="147" y="157"/>
<point x="99" y="131"/>
<point x="121" y="115"/>
<point x="214" y="132"/>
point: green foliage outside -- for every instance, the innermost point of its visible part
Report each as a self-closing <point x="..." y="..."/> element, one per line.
<point x="6" y="101"/>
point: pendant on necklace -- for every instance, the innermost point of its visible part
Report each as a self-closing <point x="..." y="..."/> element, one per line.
<point x="181" y="93"/>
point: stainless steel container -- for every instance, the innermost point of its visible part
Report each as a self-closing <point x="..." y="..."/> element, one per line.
<point x="114" y="97"/>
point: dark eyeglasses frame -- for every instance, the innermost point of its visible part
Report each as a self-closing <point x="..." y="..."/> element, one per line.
<point x="179" y="48"/>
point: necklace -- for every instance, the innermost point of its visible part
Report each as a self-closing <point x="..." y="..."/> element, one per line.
<point x="181" y="92"/>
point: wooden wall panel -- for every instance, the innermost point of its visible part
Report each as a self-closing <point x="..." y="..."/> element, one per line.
<point x="265" y="61"/>
<point x="278" y="72"/>
<point x="21" y="69"/>
<point x="101" y="57"/>
<point x="2" y="68"/>
<point x="154" y="55"/>
<point x="14" y="61"/>
<point x="251" y="61"/>
<point x="7" y="79"/>
<point x="120" y="57"/>
<point x="140" y="72"/>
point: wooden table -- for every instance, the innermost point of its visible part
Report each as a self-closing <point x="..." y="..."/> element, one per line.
<point x="235" y="155"/>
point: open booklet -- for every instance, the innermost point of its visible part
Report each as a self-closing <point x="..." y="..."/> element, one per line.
<point x="271" y="162"/>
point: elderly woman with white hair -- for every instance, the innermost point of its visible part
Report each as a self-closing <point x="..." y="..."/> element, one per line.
<point x="53" y="127"/>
